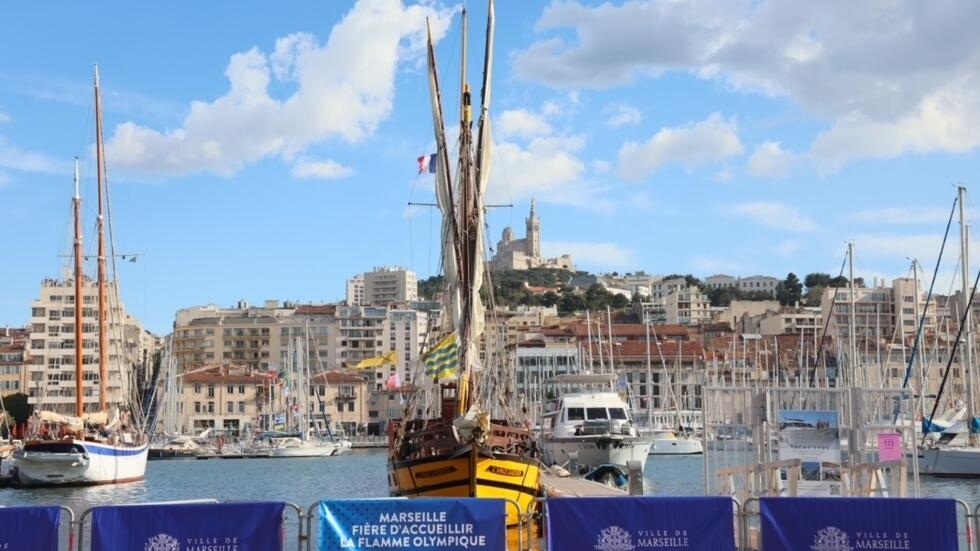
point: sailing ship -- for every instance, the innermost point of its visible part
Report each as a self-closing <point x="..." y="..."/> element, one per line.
<point x="465" y="440"/>
<point x="98" y="443"/>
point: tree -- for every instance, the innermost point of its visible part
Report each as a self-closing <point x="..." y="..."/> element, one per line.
<point x="816" y="280"/>
<point x="790" y="290"/>
<point x="723" y="296"/>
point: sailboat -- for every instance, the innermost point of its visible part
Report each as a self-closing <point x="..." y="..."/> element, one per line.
<point x="303" y="440"/>
<point x="465" y="440"/>
<point x="97" y="443"/>
<point x="659" y="428"/>
<point x="941" y="458"/>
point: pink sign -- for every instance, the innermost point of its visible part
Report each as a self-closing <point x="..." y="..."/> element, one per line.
<point x="889" y="446"/>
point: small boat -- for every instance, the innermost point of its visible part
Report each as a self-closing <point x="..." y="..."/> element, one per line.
<point x="294" y="446"/>
<point x="664" y="441"/>
<point x="588" y="424"/>
<point x="178" y="447"/>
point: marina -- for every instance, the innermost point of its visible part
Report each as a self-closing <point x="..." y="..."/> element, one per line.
<point x="490" y="404"/>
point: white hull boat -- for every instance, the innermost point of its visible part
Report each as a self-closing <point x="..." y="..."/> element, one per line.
<point x="667" y="442"/>
<point x="589" y="425"/>
<point x="297" y="447"/>
<point x="77" y="462"/>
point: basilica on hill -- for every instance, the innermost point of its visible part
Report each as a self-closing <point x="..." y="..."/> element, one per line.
<point x="524" y="254"/>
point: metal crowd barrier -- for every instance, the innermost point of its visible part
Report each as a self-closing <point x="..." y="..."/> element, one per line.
<point x="532" y="536"/>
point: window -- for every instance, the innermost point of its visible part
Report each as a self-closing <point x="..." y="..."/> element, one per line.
<point x="241" y="407"/>
<point x="241" y="389"/>
<point x="197" y="389"/>
<point x="576" y="414"/>
<point x="617" y="413"/>
<point x="230" y="389"/>
<point x="197" y="407"/>
<point x="211" y="391"/>
<point x="210" y="407"/>
<point x="230" y="407"/>
<point x="350" y="406"/>
<point x="597" y="413"/>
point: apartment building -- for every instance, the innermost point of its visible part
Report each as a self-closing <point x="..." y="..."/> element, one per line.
<point x="876" y="326"/>
<point x="14" y="358"/>
<point x="239" y="399"/>
<point x="756" y="283"/>
<point x="355" y="291"/>
<point x="390" y="285"/>
<point x="51" y="371"/>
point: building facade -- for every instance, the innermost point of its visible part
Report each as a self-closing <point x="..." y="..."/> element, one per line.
<point x="14" y="359"/>
<point x="390" y="286"/>
<point x="51" y="371"/>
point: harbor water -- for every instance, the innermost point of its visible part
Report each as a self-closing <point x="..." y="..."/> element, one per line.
<point x="358" y="474"/>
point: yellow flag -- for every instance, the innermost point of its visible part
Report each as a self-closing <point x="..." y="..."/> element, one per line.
<point x="390" y="358"/>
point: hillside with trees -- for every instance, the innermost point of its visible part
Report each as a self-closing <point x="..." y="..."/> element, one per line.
<point x="549" y="287"/>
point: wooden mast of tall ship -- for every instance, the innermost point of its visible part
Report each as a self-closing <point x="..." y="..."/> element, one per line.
<point x="464" y="449"/>
<point x="101" y="259"/>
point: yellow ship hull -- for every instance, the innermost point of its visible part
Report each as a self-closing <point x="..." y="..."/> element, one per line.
<point x="498" y="476"/>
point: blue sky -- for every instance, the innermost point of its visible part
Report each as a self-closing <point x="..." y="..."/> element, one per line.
<point x="260" y="152"/>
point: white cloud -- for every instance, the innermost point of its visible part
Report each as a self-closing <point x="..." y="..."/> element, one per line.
<point x="889" y="77"/>
<point x="343" y="90"/>
<point x="5" y="118"/>
<point x="15" y="158"/>
<point x="323" y="170"/>
<point x="606" y="255"/>
<point x="547" y="168"/>
<point x="924" y="247"/>
<point x="901" y="215"/>
<point x="947" y="119"/>
<point x="773" y="215"/>
<point x="521" y="123"/>
<point x="600" y="166"/>
<point x="770" y="160"/>
<point x="711" y="140"/>
<point x="4" y="179"/>
<point x="623" y="114"/>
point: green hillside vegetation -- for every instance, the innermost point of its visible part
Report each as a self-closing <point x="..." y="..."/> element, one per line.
<point x="523" y="288"/>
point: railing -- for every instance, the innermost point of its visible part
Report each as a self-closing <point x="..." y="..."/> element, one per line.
<point x="634" y="522"/>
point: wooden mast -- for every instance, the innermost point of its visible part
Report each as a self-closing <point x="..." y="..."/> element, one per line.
<point x="77" y="254"/>
<point x="103" y="302"/>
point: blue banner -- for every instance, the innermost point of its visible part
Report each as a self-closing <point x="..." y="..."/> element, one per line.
<point x="794" y="523"/>
<point x="189" y="526"/>
<point x="29" y="528"/>
<point x="640" y="522"/>
<point x="424" y="523"/>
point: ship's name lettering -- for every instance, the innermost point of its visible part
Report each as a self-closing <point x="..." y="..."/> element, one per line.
<point x="505" y="472"/>
<point x="435" y="472"/>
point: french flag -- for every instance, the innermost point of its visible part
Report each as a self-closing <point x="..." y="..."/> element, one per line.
<point x="427" y="163"/>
